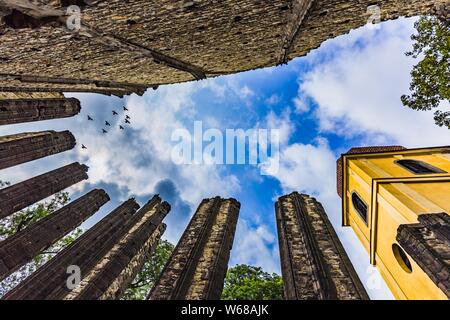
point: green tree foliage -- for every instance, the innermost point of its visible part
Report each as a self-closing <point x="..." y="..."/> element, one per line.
<point x="149" y="274"/>
<point x="430" y="84"/>
<point x="22" y="219"/>
<point x="245" y="282"/>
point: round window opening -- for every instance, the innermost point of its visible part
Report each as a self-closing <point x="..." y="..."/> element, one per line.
<point x="402" y="258"/>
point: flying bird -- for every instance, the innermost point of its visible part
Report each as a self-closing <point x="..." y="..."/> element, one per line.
<point x="107" y="123"/>
<point x="89" y="118"/>
<point x="104" y="131"/>
<point x="127" y="117"/>
<point x="83" y="146"/>
<point x="114" y="113"/>
<point x="125" y="109"/>
<point x="127" y="121"/>
<point x="121" y="128"/>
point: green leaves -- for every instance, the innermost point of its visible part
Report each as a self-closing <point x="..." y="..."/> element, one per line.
<point x="245" y="282"/>
<point x="24" y="218"/>
<point x="430" y="83"/>
<point x="149" y="274"/>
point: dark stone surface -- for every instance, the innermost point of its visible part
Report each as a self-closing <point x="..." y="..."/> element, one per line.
<point x="26" y="244"/>
<point x="49" y="281"/>
<point x="28" y="192"/>
<point x="24" y="147"/>
<point x="28" y="110"/>
<point x="428" y="243"/>
<point x="314" y="264"/>
<point x="198" y="265"/>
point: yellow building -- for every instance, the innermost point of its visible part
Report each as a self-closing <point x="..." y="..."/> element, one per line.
<point x="397" y="201"/>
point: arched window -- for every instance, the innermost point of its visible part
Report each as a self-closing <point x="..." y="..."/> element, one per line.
<point x="418" y="167"/>
<point x="360" y="206"/>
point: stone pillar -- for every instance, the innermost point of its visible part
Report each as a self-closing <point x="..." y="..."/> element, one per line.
<point x="428" y="244"/>
<point x="28" y="110"/>
<point x="118" y="268"/>
<point x="28" y="192"/>
<point x="23" y="147"/>
<point x="314" y="264"/>
<point x="50" y="281"/>
<point x="26" y="244"/>
<point x="198" y="265"/>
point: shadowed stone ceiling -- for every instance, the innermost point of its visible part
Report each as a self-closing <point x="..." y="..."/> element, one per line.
<point x="128" y="46"/>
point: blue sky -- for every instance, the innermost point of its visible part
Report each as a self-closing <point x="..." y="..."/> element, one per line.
<point x="344" y="94"/>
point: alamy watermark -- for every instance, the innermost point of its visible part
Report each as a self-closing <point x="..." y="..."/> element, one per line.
<point x="73" y="21"/>
<point x="374" y="12"/>
<point x="74" y="278"/>
<point x="258" y="147"/>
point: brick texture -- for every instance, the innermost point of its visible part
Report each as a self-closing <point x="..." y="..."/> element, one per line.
<point x="314" y="264"/>
<point x="428" y="243"/>
<point x="50" y="281"/>
<point x="23" y="147"/>
<point x="28" y="110"/>
<point x="26" y="244"/>
<point x="198" y="265"/>
<point x="28" y="192"/>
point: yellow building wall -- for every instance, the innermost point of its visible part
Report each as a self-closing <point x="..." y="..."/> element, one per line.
<point x="396" y="204"/>
<point x="391" y="213"/>
<point x="362" y="230"/>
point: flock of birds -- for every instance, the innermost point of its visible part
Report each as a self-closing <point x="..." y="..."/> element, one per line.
<point x="107" y="124"/>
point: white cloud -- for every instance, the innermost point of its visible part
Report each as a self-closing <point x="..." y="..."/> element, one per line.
<point x="145" y="160"/>
<point x="245" y="92"/>
<point x="308" y="168"/>
<point x="282" y="123"/>
<point x="273" y="99"/>
<point x="301" y="106"/>
<point x="358" y="90"/>
<point x="252" y="246"/>
<point x="136" y="159"/>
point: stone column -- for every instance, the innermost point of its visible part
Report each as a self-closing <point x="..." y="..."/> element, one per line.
<point x="198" y="265"/>
<point x="28" y="192"/>
<point x="314" y="264"/>
<point x="428" y="243"/>
<point x="28" y="110"/>
<point x="26" y="244"/>
<point x="50" y="281"/>
<point x="118" y="268"/>
<point x="23" y="147"/>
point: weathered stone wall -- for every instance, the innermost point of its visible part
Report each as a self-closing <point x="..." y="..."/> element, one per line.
<point x="197" y="267"/>
<point x="26" y="244"/>
<point x="428" y="243"/>
<point x="328" y="19"/>
<point x="208" y="279"/>
<point x="28" y="110"/>
<point x="129" y="273"/>
<point x="47" y="88"/>
<point x="314" y="264"/>
<point x="28" y="192"/>
<point x="158" y="42"/>
<point x="23" y="147"/>
<point x="50" y="281"/>
<point x="115" y="271"/>
<point x="30" y="95"/>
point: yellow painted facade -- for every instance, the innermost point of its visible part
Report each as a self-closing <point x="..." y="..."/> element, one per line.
<point x="395" y="195"/>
